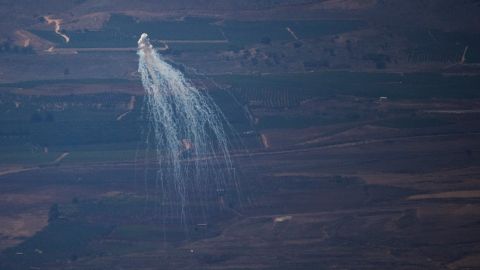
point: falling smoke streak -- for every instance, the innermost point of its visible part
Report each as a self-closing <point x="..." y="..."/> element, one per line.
<point x="185" y="129"/>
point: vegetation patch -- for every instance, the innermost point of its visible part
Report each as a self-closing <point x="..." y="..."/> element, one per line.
<point x="60" y="241"/>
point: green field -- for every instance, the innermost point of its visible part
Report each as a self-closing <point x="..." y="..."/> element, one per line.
<point x="75" y="124"/>
<point x="35" y="130"/>
<point x="362" y="84"/>
<point x="34" y="83"/>
<point x="435" y="45"/>
<point x="92" y="133"/>
<point x="124" y="31"/>
<point x="243" y="33"/>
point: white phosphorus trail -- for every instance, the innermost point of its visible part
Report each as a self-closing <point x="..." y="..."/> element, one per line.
<point x="186" y="131"/>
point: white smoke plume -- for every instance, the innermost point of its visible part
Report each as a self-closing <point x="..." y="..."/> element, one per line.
<point x="186" y="129"/>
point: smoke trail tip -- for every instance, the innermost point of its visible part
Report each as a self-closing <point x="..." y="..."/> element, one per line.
<point x="144" y="41"/>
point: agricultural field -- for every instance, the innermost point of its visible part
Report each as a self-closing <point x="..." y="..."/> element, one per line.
<point x="352" y="127"/>
<point x="288" y="123"/>
<point x="371" y="85"/>
<point x="124" y="31"/>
